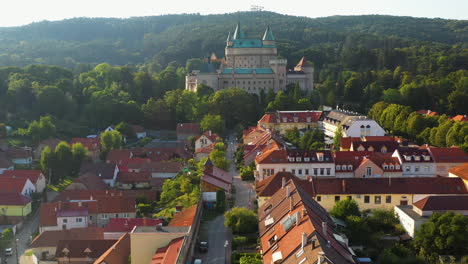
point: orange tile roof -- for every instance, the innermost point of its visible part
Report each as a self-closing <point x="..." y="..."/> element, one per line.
<point x="289" y="117"/>
<point x="68" y="195"/>
<point x="463" y="118"/>
<point x="185" y="217"/>
<point x="347" y="141"/>
<point x="133" y="177"/>
<point x="211" y="136"/>
<point x="92" y="144"/>
<point x="168" y="254"/>
<point x="51" y="238"/>
<point x="78" y="248"/>
<point x="442" y="203"/>
<point x="118" y="156"/>
<point x="460" y="171"/>
<point x="117" y="253"/>
<point x="188" y="128"/>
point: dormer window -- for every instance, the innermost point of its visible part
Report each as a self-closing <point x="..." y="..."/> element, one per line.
<point x="397" y="167"/>
<point x="350" y="167"/>
<point x="309" y="119"/>
<point x="407" y="158"/>
<point x="383" y="149"/>
<point x="285" y="119"/>
<point x="296" y="119"/>
<point x="392" y="167"/>
<point x="385" y="167"/>
<point x="320" y="156"/>
<point x="291" y="159"/>
<point x="338" y="167"/>
<point x="306" y="159"/>
<point x="426" y="157"/>
<point x="417" y="158"/>
<point x="298" y="159"/>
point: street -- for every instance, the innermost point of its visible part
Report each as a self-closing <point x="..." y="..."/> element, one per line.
<point x="24" y="238"/>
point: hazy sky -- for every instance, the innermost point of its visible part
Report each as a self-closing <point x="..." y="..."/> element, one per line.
<point x="20" y="12"/>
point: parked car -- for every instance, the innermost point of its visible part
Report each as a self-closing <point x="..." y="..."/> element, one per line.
<point x="203" y="247"/>
<point x="8" y="252"/>
<point x="197" y="261"/>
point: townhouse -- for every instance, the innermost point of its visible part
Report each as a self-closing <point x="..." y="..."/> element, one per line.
<point x="415" y="162"/>
<point x="280" y="121"/>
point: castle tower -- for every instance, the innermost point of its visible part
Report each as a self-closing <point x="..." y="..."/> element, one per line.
<point x="268" y="38"/>
<point x="229" y="40"/>
<point x="239" y="33"/>
<point x="305" y="66"/>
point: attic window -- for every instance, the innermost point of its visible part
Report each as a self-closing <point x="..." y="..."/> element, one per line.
<point x="426" y="157"/>
<point x="350" y="167"/>
<point x="417" y="158"/>
<point x="298" y="159"/>
<point x="272" y="240"/>
<point x="338" y="167"/>
<point x="385" y="167"/>
<point x="306" y="159"/>
<point x="291" y="159"/>
<point x="407" y="158"/>
<point x="392" y="167"/>
<point x="397" y="167"/>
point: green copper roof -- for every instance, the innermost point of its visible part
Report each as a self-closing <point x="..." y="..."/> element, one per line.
<point x="239" y="33"/>
<point x="249" y="43"/>
<point x="268" y="35"/>
<point x="248" y="71"/>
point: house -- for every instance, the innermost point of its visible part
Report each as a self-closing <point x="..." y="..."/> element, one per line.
<point x="346" y="162"/>
<point x="106" y="171"/>
<point x="205" y="139"/>
<point x="460" y="172"/>
<point x="93" y="144"/>
<point x="299" y="162"/>
<point x="14" y="207"/>
<point x="23" y="186"/>
<point x="280" y="121"/>
<point x="81" y="251"/>
<point x="88" y="181"/>
<point x="346" y="142"/>
<point x="119" y="226"/>
<point x="6" y="165"/>
<point x="252" y="133"/>
<point x="413" y="216"/>
<point x="21" y="156"/>
<point x="45" y="244"/>
<point x="204" y="152"/>
<point x="186" y="217"/>
<point x="119" y="156"/>
<point x="84" y="213"/>
<point x="35" y="176"/>
<point x="293" y="228"/>
<point x="415" y="162"/>
<point x="140" y="132"/>
<point x="352" y="125"/>
<point x="427" y="112"/>
<point x="378" y="165"/>
<point x="50" y="142"/>
<point x="85" y="195"/>
<point x="372" y="193"/>
<point x="374" y="146"/>
<point x="133" y="180"/>
<point x="267" y="141"/>
<point x="187" y="130"/>
<point x="118" y="253"/>
<point x="158" y="169"/>
<point x="214" y="179"/>
<point x="446" y="158"/>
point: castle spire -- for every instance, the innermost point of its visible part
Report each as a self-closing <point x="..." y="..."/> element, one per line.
<point x="268" y="35"/>
<point x="238" y="33"/>
<point x="229" y="38"/>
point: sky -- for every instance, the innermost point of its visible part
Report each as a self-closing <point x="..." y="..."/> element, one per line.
<point x="21" y="12"/>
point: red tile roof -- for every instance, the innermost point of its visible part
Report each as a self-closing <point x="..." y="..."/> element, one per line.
<point x="10" y="198"/>
<point x="103" y="170"/>
<point x="118" y="156"/>
<point x="4" y="163"/>
<point x="68" y="195"/>
<point x="442" y="203"/>
<point x="122" y="225"/>
<point x="117" y="253"/>
<point x="448" y="155"/>
<point x="290" y="117"/>
<point x="346" y="141"/>
<point x="353" y="158"/>
<point x="158" y="166"/>
<point x="90" y="181"/>
<point x="185" y="217"/>
<point x="12" y="184"/>
<point x="188" y="128"/>
<point x="375" y="146"/>
<point x="17" y="153"/>
<point x="51" y="238"/>
<point x="78" y="248"/>
<point x="32" y="175"/>
<point x="461" y="118"/>
<point x="168" y="254"/>
<point x="92" y="144"/>
<point x="412" y="153"/>
<point x="134" y="177"/>
<point x="460" y="171"/>
<point x="211" y="136"/>
<point x="205" y="149"/>
<point x="381" y="160"/>
<point x="282" y="156"/>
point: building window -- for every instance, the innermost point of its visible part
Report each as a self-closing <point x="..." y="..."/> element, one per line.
<point x="307" y="171"/>
<point x="369" y="171"/>
<point x="338" y="167"/>
<point x="319" y="198"/>
<point x="126" y="215"/>
<point x="337" y="198"/>
<point x="377" y="200"/>
<point x="349" y="197"/>
<point x="300" y="171"/>
<point x="315" y="171"/>
<point x="328" y="171"/>
<point x="104" y="216"/>
<point x="426" y="168"/>
<point x="416" y="169"/>
<point x="65" y="221"/>
<point x="79" y="220"/>
<point x="388" y="199"/>
<point x="322" y="171"/>
<point x="408" y="169"/>
<point x="366" y="199"/>
<point x="293" y="171"/>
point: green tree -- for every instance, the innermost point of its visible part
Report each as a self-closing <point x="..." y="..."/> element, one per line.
<point x="382" y="221"/>
<point x="48" y="162"/>
<point x="398" y="254"/>
<point x="357" y="230"/>
<point x="443" y="234"/>
<point x="247" y="173"/>
<point x="345" y="208"/>
<point x="251" y="259"/>
<point x="3" y="131"/>
<point x="125" y="129"/>
<point x="337" y="137"/>
<point x="64" y="160"/>
<point x="241" y="220"/>
<point x="218" y="156"/>
<point x="220" y="201"/>
<point x="110" y="140"/>
<point x="377" y="110"/>
<point x="80" y="154"/>
<point x="214" y="123"/>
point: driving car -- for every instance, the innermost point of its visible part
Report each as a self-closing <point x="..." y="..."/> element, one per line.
<point x="8" y="251"/>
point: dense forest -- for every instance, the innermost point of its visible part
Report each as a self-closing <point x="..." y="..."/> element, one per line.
<point x="133" y="70"/>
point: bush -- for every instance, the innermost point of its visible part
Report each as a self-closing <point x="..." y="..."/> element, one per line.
<point x="345" y="208"/>
<point x="239" y="241"/>
<point x="241" y="220"/>
<point x="247" y="174"/>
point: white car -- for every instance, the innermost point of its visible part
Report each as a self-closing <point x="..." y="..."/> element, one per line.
<point x="197" y="261"/>
<point x="8" y="251"/>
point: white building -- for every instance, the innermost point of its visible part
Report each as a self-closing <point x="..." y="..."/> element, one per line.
<point x="352" y="124"/>
<point x="299" y="162"/>
<point x="415" y="162"/>
<point x="68" y="219"/>
<point x="251" y="64"/>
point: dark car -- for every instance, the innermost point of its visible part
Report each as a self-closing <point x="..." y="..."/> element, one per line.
<point x="203" y="246"/>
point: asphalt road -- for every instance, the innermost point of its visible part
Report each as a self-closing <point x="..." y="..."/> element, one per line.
<point x="24" y="238"/>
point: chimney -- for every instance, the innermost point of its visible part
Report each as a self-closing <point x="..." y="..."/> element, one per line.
<point x="91" y="197"/>
<point x="321" y="258"/>
<point x="283" y="182"/>
<point x="209" y="133"/>
<point x="324" y="228"/>
<point x="343" y="186"/>
<point x="304" y="240"/>
<point x="100" y="174"/>
<point x="290" y="204"/>
<point x="287" y="191"/>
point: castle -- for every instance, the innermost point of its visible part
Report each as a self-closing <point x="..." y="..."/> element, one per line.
<point x="251" y="64"/>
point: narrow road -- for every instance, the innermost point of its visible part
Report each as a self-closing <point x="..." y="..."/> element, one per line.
<point x="215" y="233"/>
<point x="24" y="237"/>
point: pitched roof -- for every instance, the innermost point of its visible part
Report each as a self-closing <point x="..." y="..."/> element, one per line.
<point x="463" y="118"/>
<point x="103" y="170"/>
<point x="302" y="63"/>
<point x="211" y="136"/>
<point x="353" y="158"/>
<point x="442" y="203"/>
<point x="90" y="181"/>
<point x="216" y="182"/>
<point x="159" y="166"/>
<point x="70" y="195"/>
<point x="291" y="117"/>
<point x="12" y="184"/>
<point x="92" y="144"/>
<point x="32" y="175"/>
<point x="290" y="215"/>
<point x="83" y="248"/>
<point x="117" y="253"/>
<point x="184" y="217"/>
<point x="121" y="225"/>
<point x="132" y="177"/>
<point x="448" y="155"/>
<point x="384" y="162"/>
<point x="299" y="156"/>
<point x="413" y="154"/>
<point x="376" y="146"/>
<point x="347" y="141"/>
<point x="168" y="254"/>
<point x="10" y="198"/>
<point x="138" y="129"/>
<point x="188" y="128"/>
<point x="460" y="171"/>
<point x="268" y="35"/>
<point x="117" y="156"/>
<point x="272" y="184"/>
<point x="205" y="149"/>
<point x="51" y="238"/>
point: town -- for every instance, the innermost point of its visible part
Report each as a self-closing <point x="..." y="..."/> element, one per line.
<point x="234" y="162"/>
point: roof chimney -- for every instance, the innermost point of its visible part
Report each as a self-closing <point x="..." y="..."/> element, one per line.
<point x="290" y="204"/>
<point x="343" y="186"/>
<point x="283" y="182"/>
<point x="304" y="239"/>
<point x="287" y="191"/>
<point x="324" y="228"/>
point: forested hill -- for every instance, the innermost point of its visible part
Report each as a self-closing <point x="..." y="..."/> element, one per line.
<point x="162" y="39"/>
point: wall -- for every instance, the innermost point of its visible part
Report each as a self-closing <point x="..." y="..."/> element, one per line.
<point x="71" y="222"/>
<point x="408" y="223"/>
<point x="297" y="166"/>
<point x="38" y="252"/>
<point x="376" y="171"/>
<point x="355" y="129"/>
<point x="144" y="245"/>
<point x="15" y="210"/>
<point x="328" y="201"/>
<point x="200" y="144"/>
<point x="442" y="169"/>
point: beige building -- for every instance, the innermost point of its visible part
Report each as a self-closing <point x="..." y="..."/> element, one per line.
<point x="280" y="121"/>
<point x="252" y="64"/>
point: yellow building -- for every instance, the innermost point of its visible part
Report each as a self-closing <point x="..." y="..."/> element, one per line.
<point x="369" y="193"/>
<point x="14" y="207"/>
<point x="280" y="121"/>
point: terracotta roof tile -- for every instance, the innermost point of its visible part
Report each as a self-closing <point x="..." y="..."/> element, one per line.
<point x="103" y="170"/>
<point x="121" y="225"/>
<point x="132" y="177"/>
<point x="188" y="128"/>
<point x="51" y="238"/>
<point x="185" y="217"/>
<point x="168" y="254"/>
<point x="448" y="155"/>
<point x="4" y="163"/>
<point x="117" y="156"/>
<point x="12" y="184"/>
<point x="68" y="195"/>
<point x="78" y="248"/>
<point x="90" y="181"/>
<point x="117" y="253"/>
<point x="461" y="118"/>
<point x="291" y="117"/>
<point x="92" y="144"/>
<point x="32" y="175"/>
<point x="460" y="171"/>
<point x="10" y="198"/>
<point x="138" y="129"/>
<point x="282" y="156"/>
<point x="442" y="203"/>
